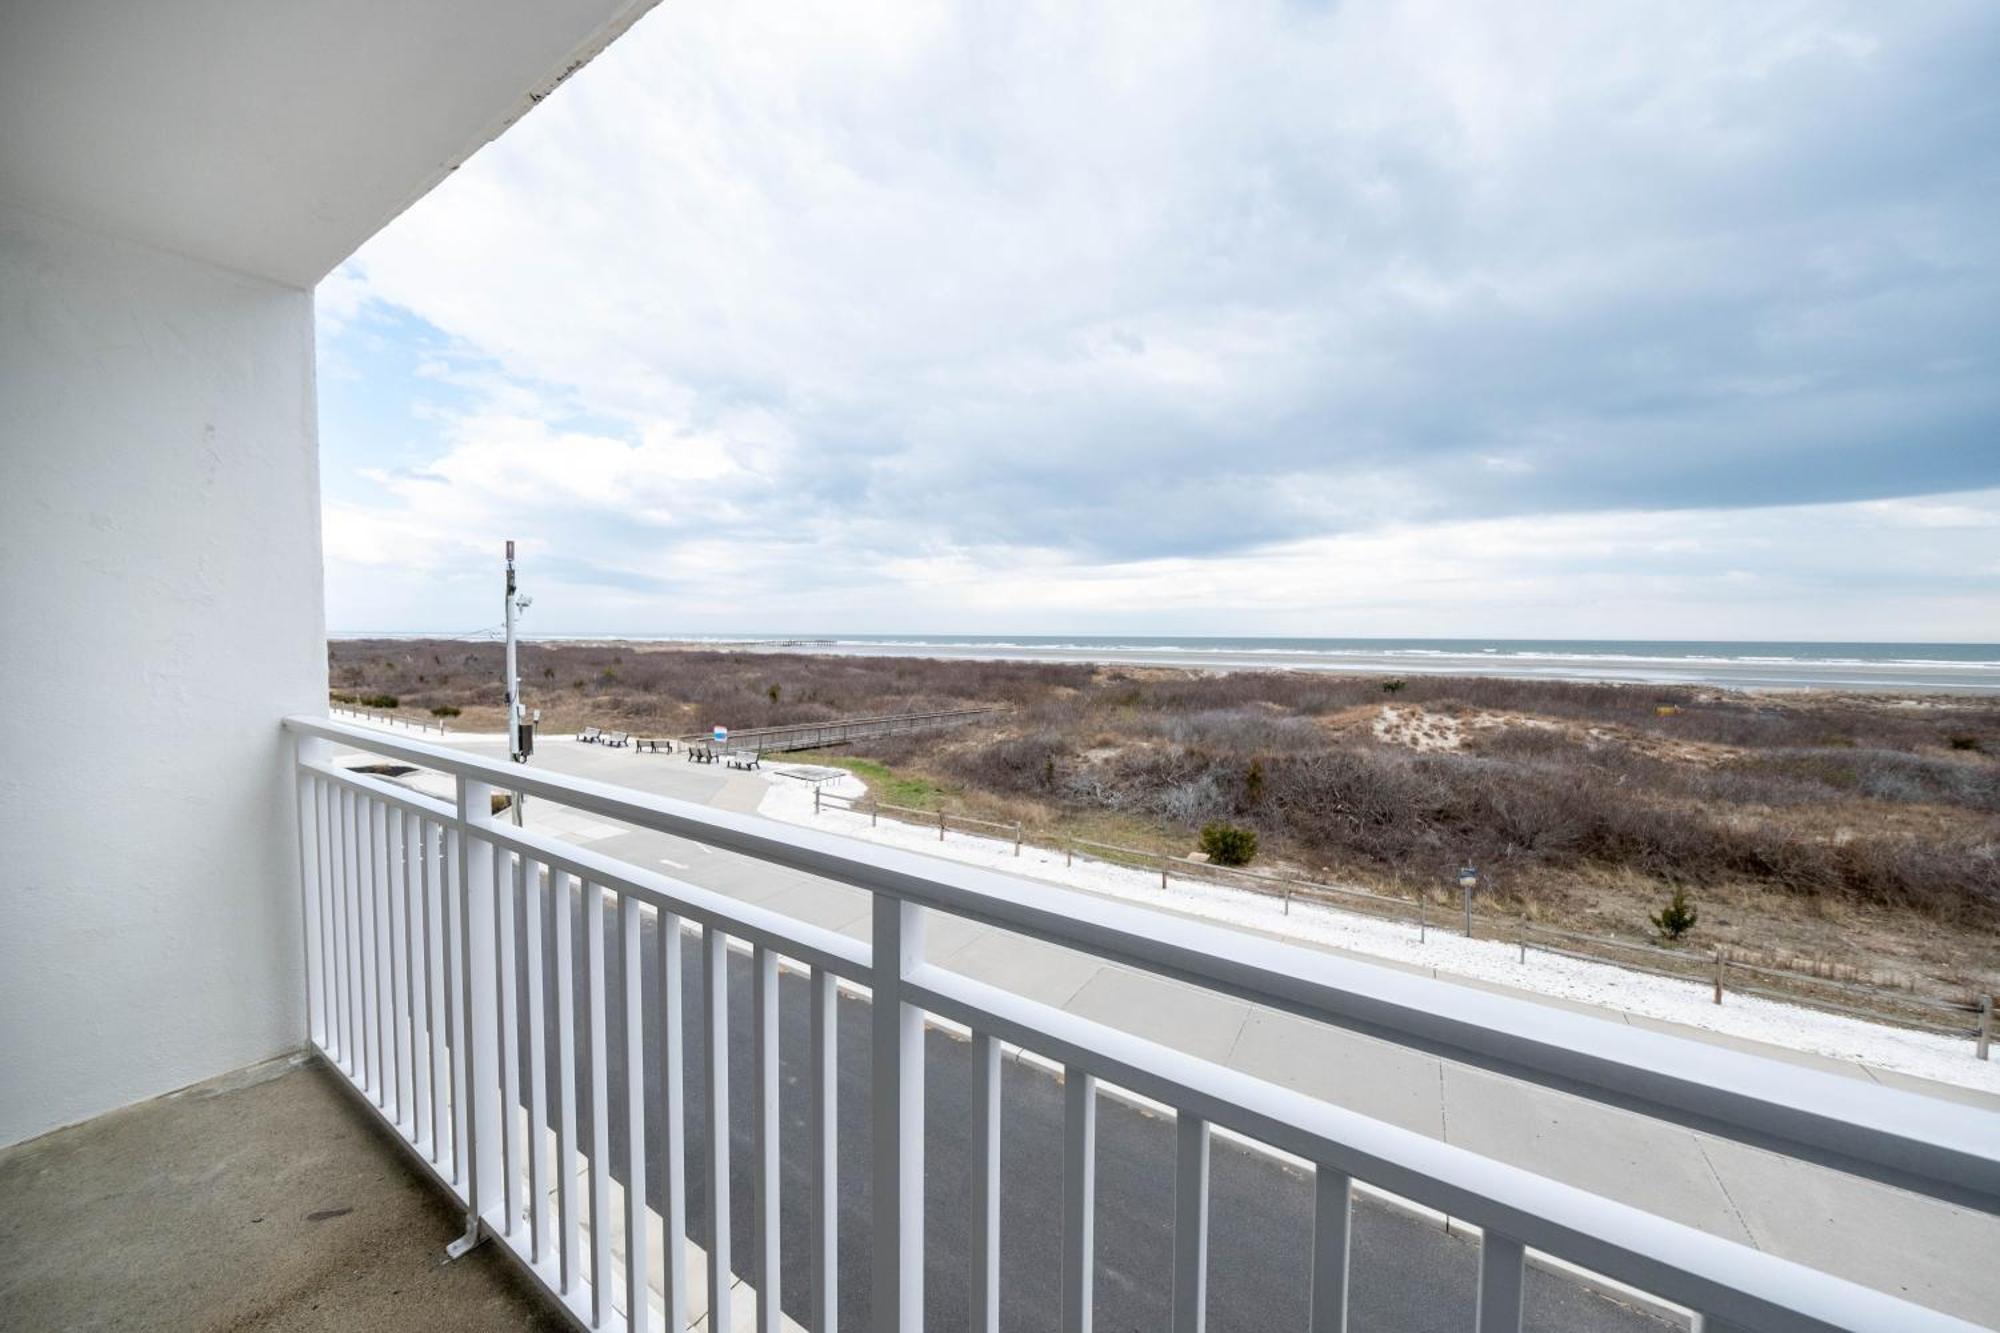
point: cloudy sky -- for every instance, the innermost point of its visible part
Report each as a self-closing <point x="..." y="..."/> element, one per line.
<point x="1362" y="318"/>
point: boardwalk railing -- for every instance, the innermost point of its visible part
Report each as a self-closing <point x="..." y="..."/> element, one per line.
<point x="842" y="731"/>
<point x="416" y="910"/>
<point x="388" y="718"/>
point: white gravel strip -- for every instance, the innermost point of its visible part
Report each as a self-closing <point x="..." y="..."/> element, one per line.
<point x="1923" y="1054"/>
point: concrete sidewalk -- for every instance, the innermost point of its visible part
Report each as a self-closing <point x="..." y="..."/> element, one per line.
<point x="1932" y="1253"/>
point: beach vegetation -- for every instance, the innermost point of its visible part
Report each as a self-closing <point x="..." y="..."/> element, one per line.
<point x="445" y="710"/>
<point x="1394" y="685"/>
<point x="1584" y="798"/>
<point x="1677" y="917"/>
<point x="1228" y="844"/>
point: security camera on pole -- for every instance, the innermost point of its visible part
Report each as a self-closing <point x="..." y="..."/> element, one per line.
<point x="520" y="732"/>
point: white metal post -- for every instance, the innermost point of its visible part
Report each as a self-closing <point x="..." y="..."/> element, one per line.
<point x="825" y="1152"/>
<point x="1079" y="1220"/>
<point x="898" y="1115"/>
<point x="715" y="1023"/>
<point x="672" y="1156"/>
<point x="1333" y="1193"/>
<point x="481" y="1033"/>
<point x="638" y="1244"/>
<point x="983" y="1157"/>
<point x="764" y="1133"/>
<point x="1500" y="1274"/>
<point x="1191" y="1224"/>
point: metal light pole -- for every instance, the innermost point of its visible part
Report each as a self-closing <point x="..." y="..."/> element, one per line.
<point x="1468" y="880"/>
<point x="515" y="605"/>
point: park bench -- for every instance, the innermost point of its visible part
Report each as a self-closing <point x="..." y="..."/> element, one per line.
<point x="752" y="759"/>
<point x="589" y="735"/>
<point x="657" y="744"/>
<point x="700" y="754"/>
<point x="615" y="739"/>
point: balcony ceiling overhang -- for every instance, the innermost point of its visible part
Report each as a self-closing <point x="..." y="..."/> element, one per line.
<point x="271" y="138"/>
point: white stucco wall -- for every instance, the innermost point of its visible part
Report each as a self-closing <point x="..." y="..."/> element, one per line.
<point x="160" y="610"/>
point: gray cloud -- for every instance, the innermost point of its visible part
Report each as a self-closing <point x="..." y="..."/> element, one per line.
<point x="1192" y="280"/>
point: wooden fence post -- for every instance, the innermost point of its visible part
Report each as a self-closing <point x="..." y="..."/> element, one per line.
<point x="1423" y="919"/>
<point x="1524" y="939"/>
<point x="1017" y="837"/>
<point x="1986" y="1027"/>
<point x="874" y="811"/>
<point x="940" y="825"/>
<point x="1163" y="870"/>
<point x="1718" y="974"/>
<point x="1069" y="850"/>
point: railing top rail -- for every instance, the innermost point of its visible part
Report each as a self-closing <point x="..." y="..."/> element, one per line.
<point x="1929" y="1145"/>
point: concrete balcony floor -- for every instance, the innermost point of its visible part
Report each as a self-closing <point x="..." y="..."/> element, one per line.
<point x="266" y="1199"/>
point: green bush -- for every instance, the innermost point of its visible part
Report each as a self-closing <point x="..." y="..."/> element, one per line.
<point x="1228" y="845"/>
<point x="1677" y="918"/>
<point x="444" y="710"/>
<point x="1393" y="685"/>
<point x="1965" y="742"/>
<point x="380" y="701"/>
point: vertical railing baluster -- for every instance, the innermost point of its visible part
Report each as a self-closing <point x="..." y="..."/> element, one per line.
<point x="434" y="1020"/>
<point x="672" y="1156"/>
<point x="480" y="1033"/>
<point x="392" y="850"/>
<point x="303" y="783"/>
<point x="983" y="1159"/>
<point x="1500" y="1272"/>
<point x="630" y="940"/>
<point x="333" y="907"/>
<point x="419" y="1100"/>
<point x="898" y="1115"/>
<point x="566" y="1166"/>
<point x="764" y="1094"/>
<point x="825" y="1152"/>
<point x="357" y="1011"/>
<point x="715" y="1024"/>
<point x="600" y="1107"/>
<point x="1079" y="1197"/>
<point x="535" y="914"/>
<point x="371" y="990"/>
<point x="513" y="1155"/>
<point x="1191" y="1138"/>
<point x="1333" y="1197"/>
<point x="455" y="992"/>
<point x="385" y="967"/>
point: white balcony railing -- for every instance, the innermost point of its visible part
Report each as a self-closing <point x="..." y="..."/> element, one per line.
<point x="410" y="909"/>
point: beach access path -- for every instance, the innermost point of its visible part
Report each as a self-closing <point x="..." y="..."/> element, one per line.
<point x="1933" y="1253"/>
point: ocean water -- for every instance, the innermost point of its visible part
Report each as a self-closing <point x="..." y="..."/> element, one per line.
<point x="1968" y="667"/>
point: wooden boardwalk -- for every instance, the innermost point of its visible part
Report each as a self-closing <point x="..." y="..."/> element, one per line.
<point x="844" y="731"/>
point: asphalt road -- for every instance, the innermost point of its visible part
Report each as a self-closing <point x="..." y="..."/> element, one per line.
<point x="1408" y="1274"/>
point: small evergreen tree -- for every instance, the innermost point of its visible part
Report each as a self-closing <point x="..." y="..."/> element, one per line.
<point x="1253" y="783"/>
<point x="1677" y="918"/>
<point x="1228" y="845"/>
<point x="1393" y="685"/>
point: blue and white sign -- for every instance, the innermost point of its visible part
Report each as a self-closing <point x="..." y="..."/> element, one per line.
<point x="722" y="735"/>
